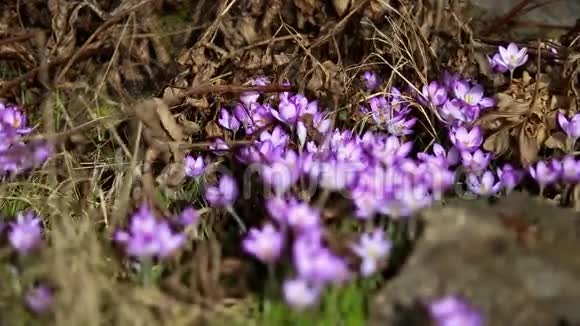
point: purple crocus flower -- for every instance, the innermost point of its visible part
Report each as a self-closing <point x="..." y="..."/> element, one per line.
<point x="40" y="152"/>
<point x="366" y="201"/>
<point x="301" y="217"/>
<point x="546" y="174"/>
<point x="380" y="110"/>
<point x="484" y="184"/>
<point x="472" y="95"/>
<point x="434" y="93"/>
<point x="228" y="121"/>
<point x="322" y="123"/>
<point x="249" y="154"/>
<point x="188" y="216"/>
<point x="497" y="64"/>
<point x="288" y="112"/>
<point x="224" y="194"/>
<point x="452" y="113"/>
<point x="441" y="157"/>
<point x="570" y="169"/>
<point x="317" y="264"/>
<point x="15" y="118"/>
<point x="25" y="234"/>
<point x="570" y="127"/>
<point x="18" y="157"/>
<point x="249" y="98"/>
<point x="282" y="173"/>
<point x="300" y="294"/>
<point x="477" y="162"/>
<point x="438" y="178"/>
<point x="513" y="57"/>
<point x="336" y="175"/>
<point x="265" y="244"/>
<point x="268" y="152"/>
<point x="242" y="114"/>
<point x="400" y="125"/>
<point x="410" y="200"/>
<point x="509" y="177"/>
<point x="39" y="299"/>
<point x="148" y="237"/>
<point x="8" y="135"/>
<point x="392" y="150"/>
<point x="449" y="80"/>
<point x="471" y="112"/>
<point x="371" y="80"/>
<point x="276" y="207"/>
<point x="452" y="311"/>
<point x="260" y="116"/>
<point x="138" y="242"/>
<point x="169" y="241"/>
<point x="465" y="140"/>
<point x="278" y="137"/>
<point x="372" y="248"/>
<point x="194" y="167"/>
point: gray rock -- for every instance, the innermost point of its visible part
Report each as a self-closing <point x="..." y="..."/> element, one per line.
<point x="518" y="261"/>
<point x="559" y="12"/>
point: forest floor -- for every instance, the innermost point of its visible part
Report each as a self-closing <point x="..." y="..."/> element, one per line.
<point x="180" y="162"/>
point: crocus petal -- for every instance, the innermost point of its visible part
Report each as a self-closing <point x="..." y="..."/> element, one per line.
<point x="512" y="49"/>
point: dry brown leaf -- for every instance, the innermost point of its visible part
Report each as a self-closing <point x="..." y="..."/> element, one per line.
<point x="281" y="59"/>
<point x="508" y="108"/>
<point x="498" y="142"/>
<point x="528" y="144"/>
<point x="557" y="140"/>
<point x="316" y="80"/>
<point x="189" y="127"/>
<point x="308" y="7"/>
<point x="168" y="122"/>
<point x="247" y="28"/>
<point x="340" y="6"/>
<point x="376" y="8"/>
<point x="551" y="120"/>
<point x="172" y="176"/>
<point x="64" y="16"/>
<point x="213" y="130"/>
<point x="157" y="118"/>
<point x="19" y="52"/>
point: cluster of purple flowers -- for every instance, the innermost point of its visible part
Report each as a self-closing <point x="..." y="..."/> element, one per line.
<point x="25" y="236"/>
<point x="149" y="237"/>
<point x="16" y="156"/>
<point x="374" y="169"/>
<point x="458" y="101"/>
<point x="298" y="152"/>
<point x="316" y="266"/>
<point x="390" y="113"/>
<point x="550" y="172"/>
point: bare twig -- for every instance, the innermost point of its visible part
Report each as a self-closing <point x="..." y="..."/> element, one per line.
<point x="18" y="38"/>
<point x="32" y="73"/>
<point x="96" y="33"/>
